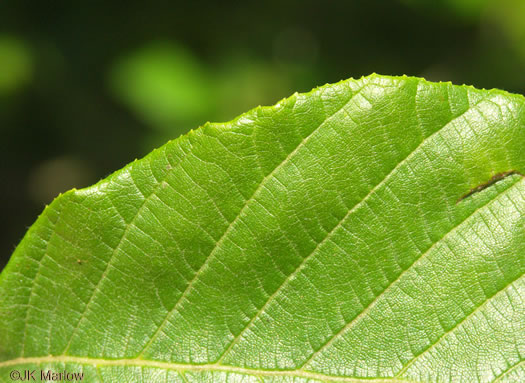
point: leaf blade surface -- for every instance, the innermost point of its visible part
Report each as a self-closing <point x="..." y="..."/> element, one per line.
<point x="322" y="238"/>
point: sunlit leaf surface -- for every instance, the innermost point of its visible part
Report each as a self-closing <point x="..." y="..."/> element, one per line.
<point x="372" y="230"/>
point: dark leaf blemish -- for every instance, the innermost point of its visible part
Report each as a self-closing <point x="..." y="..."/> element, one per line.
<point x="496" y="178"/>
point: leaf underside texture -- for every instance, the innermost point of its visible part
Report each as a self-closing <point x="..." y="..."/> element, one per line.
<point x="368" y="231"/>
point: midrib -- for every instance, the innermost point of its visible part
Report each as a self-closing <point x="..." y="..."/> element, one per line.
<point x="182" y="368"/>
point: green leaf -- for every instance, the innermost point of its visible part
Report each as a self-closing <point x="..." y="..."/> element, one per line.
<point x="372" y="230"/>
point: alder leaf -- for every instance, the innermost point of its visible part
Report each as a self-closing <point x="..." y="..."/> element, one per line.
<point x="372" y="230"/>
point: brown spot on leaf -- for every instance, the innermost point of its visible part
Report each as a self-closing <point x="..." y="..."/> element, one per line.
<point x="495" y="178"/>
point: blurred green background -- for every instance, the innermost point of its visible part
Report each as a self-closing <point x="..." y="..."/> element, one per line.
<point x="86" y="87"/>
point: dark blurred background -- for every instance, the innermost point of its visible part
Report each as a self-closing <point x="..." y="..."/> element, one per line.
<point x="86" y="87"/>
